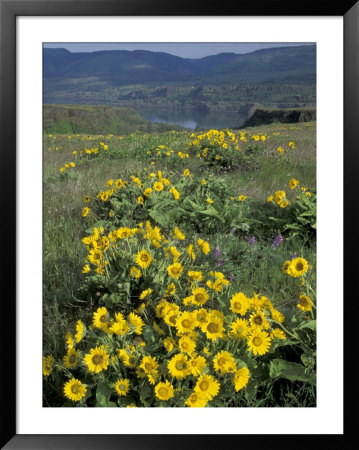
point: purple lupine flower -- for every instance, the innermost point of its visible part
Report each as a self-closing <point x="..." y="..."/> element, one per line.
<point x="293" y="256"/>
<point x="217" y="252"/>
<point x="231" y="278"/>
<point x="277" y="241"/>
<point x="233" y="230"/>
<point x="219" y="262"/>
<point x="252" y="240"/>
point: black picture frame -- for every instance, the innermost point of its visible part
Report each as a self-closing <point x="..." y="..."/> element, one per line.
<point x="9" y="10"/>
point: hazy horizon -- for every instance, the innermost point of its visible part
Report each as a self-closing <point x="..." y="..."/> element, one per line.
<point x="183" y="50"/>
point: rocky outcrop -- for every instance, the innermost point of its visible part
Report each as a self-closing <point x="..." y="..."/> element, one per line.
<point x="266" y="116"/>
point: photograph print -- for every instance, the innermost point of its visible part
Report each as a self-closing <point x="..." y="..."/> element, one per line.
<point x="179" y="225"/>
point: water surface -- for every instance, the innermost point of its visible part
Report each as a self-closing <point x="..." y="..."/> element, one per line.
<point x="192" y="118"/>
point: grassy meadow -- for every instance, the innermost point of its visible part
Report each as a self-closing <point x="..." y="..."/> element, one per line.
<point x="179" y="268"/>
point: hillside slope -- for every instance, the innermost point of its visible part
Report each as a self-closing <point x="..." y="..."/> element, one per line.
<point x="83" y="119"/>
<point x="119" y="67"/>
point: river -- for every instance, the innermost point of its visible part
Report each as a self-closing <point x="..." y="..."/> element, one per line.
<point x="192" y="118"/>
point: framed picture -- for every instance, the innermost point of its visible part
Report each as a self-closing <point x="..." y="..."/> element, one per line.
<point x="36" y="404"/>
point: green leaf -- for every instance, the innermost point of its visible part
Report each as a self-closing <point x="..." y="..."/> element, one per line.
<point x="195" y="207"/>
<point x="275" y="219"/>
<point x="148" y="333"/>
<point x="280" y="368"/>
<point x="308" y="359"/>
<point x="311" y="324"/>
<point x="240" y="225"/>
<point x="307" y="214"/>
<point x="211" y="213"/>
<point x="279" y="344"/>
<point x="145" y="393"/>
<point x="159" y="217"/>
<point x="124" y="287"/>
<point x="250" y="390"/>
<point x="114" y="298"/>
<point x="98" y="224"/>
<point x="103" y="394"/>
<point x="161" y="273"/>
<point x="126" y="401"/>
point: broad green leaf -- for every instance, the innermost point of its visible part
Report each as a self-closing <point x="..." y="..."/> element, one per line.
<point x="312" y="324"/>
<point x="250" y="390"/>
<point x="196" y="207"/>
<point x="280" y="368"/>
<point x="148" y="333"/>
<point x="124" y="287"/>
<point x="145" y="393"/>
<point x="211" y="212"/>
<point x="160" y="218"/>
<point x="103" y="394"/>
<point x="308" y="359"/>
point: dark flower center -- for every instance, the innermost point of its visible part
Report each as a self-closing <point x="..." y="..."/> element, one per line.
<point x="103" y="318"/>
<point x="212" y="327"/>
<point x="204" y="385"/>
<point x="257" y="341"/>
<point x="97" y="360"/>
<point x="258" y="320"/>
<point x="162" y="391"/>
<point x="181" y="365"/>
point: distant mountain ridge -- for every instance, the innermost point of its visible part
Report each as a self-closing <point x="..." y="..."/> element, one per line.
<point x="122" y="67"/>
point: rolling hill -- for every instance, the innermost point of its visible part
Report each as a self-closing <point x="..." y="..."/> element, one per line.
<point x="131" y="78"/>
<point x="120" y="67"/>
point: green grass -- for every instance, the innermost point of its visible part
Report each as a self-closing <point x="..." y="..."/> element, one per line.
<point x="257" y="267"/>
<point x="63" y="201"/>
<point x="86" y="119"/>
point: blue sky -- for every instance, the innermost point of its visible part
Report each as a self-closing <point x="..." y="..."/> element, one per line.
<point x="184" y="50"/>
